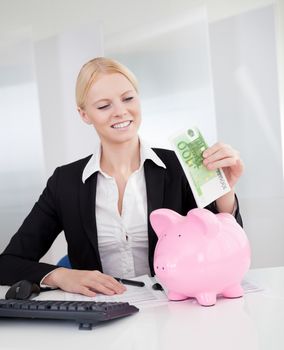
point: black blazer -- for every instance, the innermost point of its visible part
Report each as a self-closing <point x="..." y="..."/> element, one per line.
<point x="67" y="204"/>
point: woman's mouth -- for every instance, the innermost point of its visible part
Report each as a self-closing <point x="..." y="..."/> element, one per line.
<point x="122" y="125"/>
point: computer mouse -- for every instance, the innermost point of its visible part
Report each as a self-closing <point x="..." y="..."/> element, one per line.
<point x="22" y="290"/>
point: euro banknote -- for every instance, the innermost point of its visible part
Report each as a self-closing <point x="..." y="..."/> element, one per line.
<point x="206" y="185"/>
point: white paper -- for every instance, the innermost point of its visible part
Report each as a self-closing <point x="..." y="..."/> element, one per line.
<point x="249" y="287"/>
<point x="139" y="296"/>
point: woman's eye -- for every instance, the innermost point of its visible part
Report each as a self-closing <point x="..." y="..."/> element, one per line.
<point x="104" y="107"/>
<point x="129" y="98"/>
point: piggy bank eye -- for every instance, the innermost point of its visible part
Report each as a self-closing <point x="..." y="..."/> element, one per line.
<point x="179" y="235"/>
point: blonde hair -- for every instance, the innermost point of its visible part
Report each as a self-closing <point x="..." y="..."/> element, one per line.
<point x="91" y="71"/>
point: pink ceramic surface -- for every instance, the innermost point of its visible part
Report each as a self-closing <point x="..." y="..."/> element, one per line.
<point x="200" y="255"/>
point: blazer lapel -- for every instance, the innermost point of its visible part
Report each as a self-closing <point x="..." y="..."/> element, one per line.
<point x="155" y="182"/>
<point x="88" y="208"/>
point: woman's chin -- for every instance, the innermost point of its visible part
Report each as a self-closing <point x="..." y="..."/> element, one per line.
<point x="123" y="137"/>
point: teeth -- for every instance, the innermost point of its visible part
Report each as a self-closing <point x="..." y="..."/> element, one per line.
<point x="121" y="125"/>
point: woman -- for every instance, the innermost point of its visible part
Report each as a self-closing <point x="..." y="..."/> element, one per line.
<point x="103" y="202"/>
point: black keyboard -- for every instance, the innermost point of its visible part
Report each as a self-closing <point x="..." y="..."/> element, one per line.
<point x="86" y="313"/>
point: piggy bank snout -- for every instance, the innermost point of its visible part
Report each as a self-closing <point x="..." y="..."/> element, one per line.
<point x="160" y="266"/>
<point x="168" y="252"/>
<point x="164" y="266"/>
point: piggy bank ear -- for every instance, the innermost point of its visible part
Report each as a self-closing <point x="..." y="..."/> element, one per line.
<point x="208" y="220"/>
<point x="226" y="216"/>
<point x="161" y="219"/>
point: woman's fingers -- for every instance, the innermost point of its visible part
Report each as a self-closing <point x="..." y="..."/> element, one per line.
<point x="84" y="282"/>
<point x="219" y="151"/>
<point x="101" y="283"/>
<point x="219" y="156"/>
<point x="105" y="284"/>
<point x="216" y="147"/>
<point x="86" y="291"/>
<point x="222" y="163"/>
<point x="223" y="156"/>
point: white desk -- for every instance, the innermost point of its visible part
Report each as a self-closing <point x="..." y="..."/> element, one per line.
<point x="253" y="322"/>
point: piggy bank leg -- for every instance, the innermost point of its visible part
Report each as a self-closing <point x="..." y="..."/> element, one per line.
<point x="176" y="296"/>
<point x="206" y="299"/>
<point x="233" y="292"/>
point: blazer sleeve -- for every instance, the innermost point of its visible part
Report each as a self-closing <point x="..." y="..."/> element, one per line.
<point x="20" y="259"/>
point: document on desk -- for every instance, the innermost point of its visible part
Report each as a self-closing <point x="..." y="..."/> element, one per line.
<point x="142" y="297"/>
<point x="250" y="287"/>
<point x="139" y="296"/>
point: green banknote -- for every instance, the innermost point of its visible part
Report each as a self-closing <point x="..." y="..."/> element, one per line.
<point x="206" y="185"/>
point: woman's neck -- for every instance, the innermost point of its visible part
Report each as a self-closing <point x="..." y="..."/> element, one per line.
<point x="123" y="158"/>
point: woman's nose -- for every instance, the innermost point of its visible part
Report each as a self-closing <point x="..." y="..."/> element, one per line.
<point x="119" y="110"/>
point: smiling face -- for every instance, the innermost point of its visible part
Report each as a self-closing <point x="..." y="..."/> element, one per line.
<point x="112" y="106"/>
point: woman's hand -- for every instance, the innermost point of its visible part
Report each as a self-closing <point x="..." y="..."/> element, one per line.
<point x="224" y="156"/>
<point x="84" y="282"/>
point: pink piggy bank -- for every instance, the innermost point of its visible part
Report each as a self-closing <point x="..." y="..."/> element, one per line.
<point x="200" y="255"/>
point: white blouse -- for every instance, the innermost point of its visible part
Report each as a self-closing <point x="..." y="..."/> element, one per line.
<point x="122" y="239"/>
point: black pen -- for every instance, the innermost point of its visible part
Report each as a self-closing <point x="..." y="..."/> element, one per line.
<point x="130" y="282"/>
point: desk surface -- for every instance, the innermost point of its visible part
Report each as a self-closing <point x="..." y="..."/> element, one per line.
<point x="253" y="322"/>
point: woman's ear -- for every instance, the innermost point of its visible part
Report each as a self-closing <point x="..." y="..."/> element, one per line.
<point x="84" y="115"/>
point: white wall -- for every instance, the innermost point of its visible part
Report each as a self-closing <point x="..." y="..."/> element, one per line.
<point x="248" y="116"/>
<point x="21" y="151"/>
<point x="58" y="61"/>
<point x="171" y="60"/>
